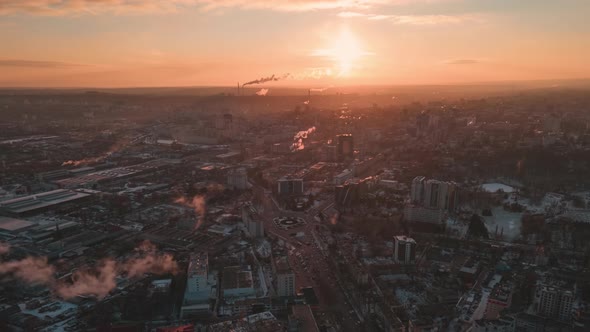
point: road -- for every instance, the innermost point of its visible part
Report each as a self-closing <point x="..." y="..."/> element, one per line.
<point x="308" y="261"/>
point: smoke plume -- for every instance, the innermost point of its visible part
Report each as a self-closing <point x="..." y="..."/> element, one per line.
<point x="118" y="146"/>
<point x="271" y="78"/>
<point x="32" y="270"/>
<point x="157" y="264"/>
<point x="299" y="137"/>
<point x="97" y="281"/>
<point x="198" y="204"/>
<point x="262" y="92"/>
<point x="334" y="218"/>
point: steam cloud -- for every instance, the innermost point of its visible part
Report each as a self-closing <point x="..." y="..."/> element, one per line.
<point x="97" y="281"/>
<point x="198" y="204"/>
<point x="299" y="137"/>
<point x="262" y="92"/>
<point x="334" y="218"/>
<point x="118" y="146"/>
<point x="271" y="78"/>
<point x="32" y="270"/>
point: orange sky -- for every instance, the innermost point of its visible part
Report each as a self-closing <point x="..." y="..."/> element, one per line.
<point x="117" y="43"/>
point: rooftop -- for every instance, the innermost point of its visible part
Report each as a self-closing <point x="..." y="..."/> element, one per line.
<point x="403" y="238"/>
<point x="237" y="277"/>
<point x="14" y="225"/>
<point x="39" y="201"/>
<point x="198" y="264"/>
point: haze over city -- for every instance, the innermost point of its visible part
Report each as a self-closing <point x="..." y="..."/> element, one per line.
<point x="140" y="43"/>
<point x="294" y="166"/>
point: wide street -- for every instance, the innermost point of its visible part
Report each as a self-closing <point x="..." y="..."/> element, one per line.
<point x="307" y="259"/>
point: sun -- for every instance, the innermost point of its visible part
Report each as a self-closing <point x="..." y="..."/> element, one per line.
<point x="345" y="51"/>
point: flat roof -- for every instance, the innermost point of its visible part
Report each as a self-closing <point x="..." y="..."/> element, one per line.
<point x="404" y="238"/>
<point x="38" y="201"/>
<point x="198" y="264"/>
<point x="14" y="225"/>
<point x="282" y="264"/>
<point x="236" y="277"/>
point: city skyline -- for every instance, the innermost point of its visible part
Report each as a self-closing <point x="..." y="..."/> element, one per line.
<point x="121" y="43"/>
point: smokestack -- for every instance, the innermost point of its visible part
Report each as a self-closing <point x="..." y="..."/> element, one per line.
<point x="238" y="88"/>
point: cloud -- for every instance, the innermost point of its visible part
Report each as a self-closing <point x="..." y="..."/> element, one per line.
<point x="294" y="5"/>
<point x="415" y="19"/>
<point x="134" y="7"/>
<point x="144" y="7"/>
<point x="36" y="64"/>
<point x="462" y="62"/>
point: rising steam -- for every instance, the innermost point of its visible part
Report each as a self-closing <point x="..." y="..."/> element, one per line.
<point x="299" y="137"/>
<point x="334" y="218"/>
<point x="198" y="204"/>
<point x="118" y="146"/>
<point x="32" y="270"/>
<point x="97" y="281"/>
<point x="262" y="92"/>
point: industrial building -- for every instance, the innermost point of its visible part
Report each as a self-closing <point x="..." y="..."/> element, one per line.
<point x="237" y="282"/>
<point x="13" y="225"/>
<point x="39" y="203"/>
<point x="199" y="287"/>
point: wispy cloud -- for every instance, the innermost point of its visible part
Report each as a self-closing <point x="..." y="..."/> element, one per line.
<point x="134" y="7"/>
<point x="126" y="7"/>
<point x="415" y="19"/>
<point x="37" y="64"/>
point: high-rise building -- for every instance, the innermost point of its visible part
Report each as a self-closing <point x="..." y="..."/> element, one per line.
<point x="499" y="299"/>
<point x="290" y="186"/>
<point x="417" y="193"/>
<point x="237" y="179"/>
<point x="434" y="194"/>
<point x="284" y="276"/>
<point x="345" y="146"/>
<point x="554" y="302"/>
<point x="404" y="250"/>
<point x="198" y="287"/>
<point x="252" y="221"/>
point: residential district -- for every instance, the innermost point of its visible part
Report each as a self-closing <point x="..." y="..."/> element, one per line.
<point x="426" y="210"/>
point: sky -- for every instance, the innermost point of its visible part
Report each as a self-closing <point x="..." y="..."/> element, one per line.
<point x="147" y="43"/>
